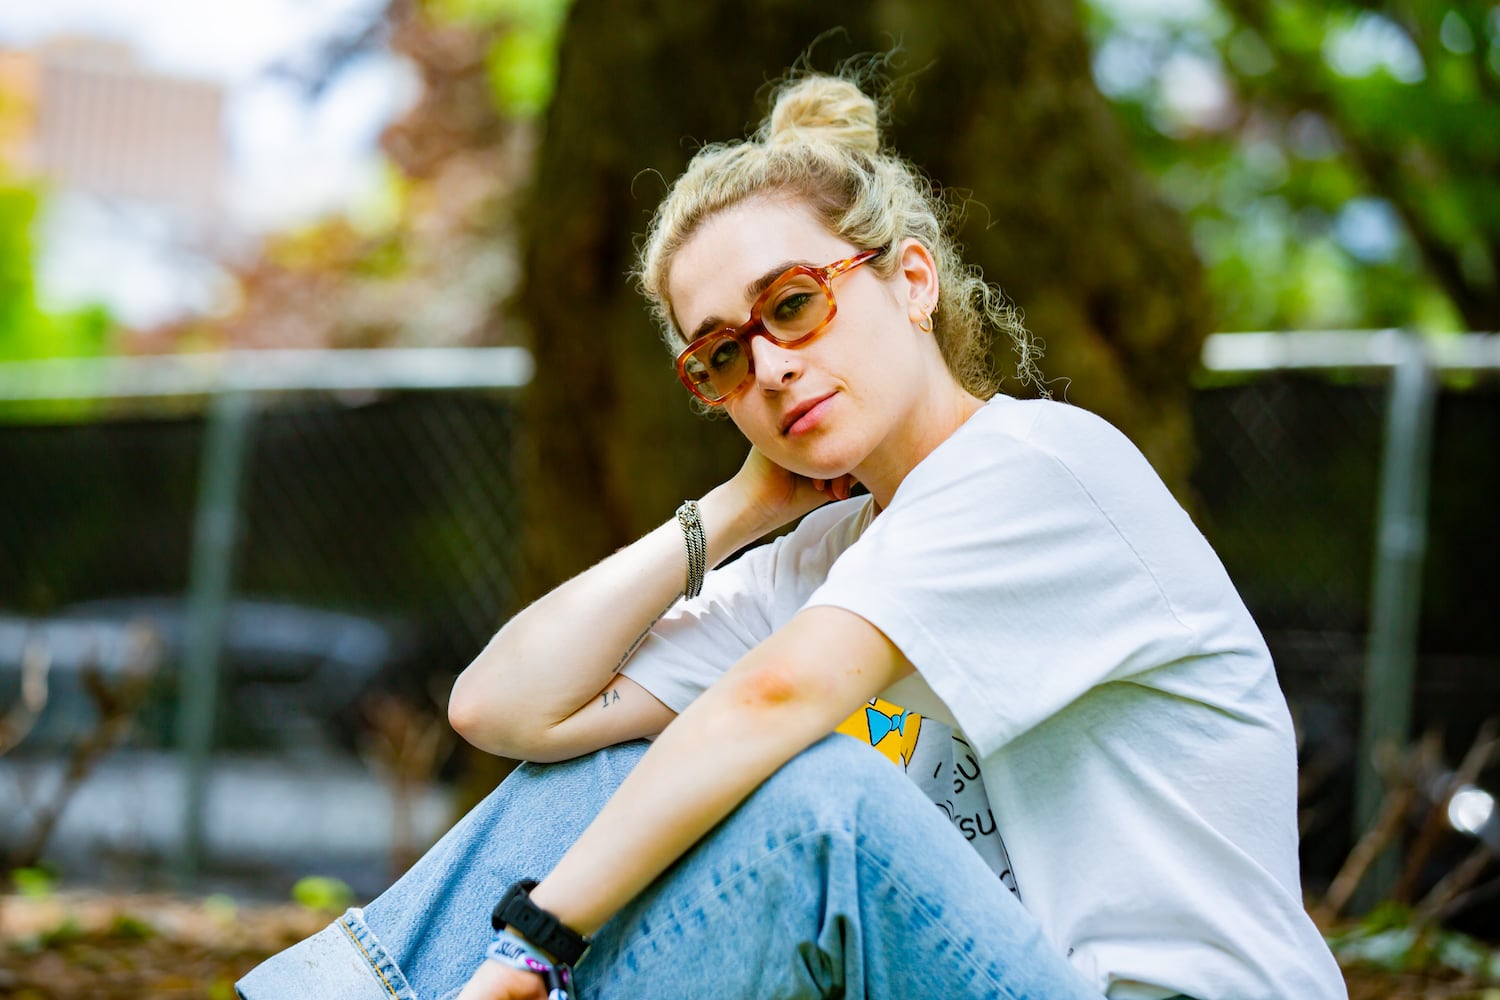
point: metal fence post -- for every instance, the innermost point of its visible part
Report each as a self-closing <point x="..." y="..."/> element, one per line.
<point x="215" y="526"/>
<point x="1396" y="590"/>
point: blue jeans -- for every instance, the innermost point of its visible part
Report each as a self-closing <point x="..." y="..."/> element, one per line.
<point x="836" y="878"/>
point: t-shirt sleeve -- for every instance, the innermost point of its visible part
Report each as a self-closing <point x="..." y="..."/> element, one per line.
<point x="1007" y="581"/>
<point x="698" y="639"/>
<point x="741" y="604"/>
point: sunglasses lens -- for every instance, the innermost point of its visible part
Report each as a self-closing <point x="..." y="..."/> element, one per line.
<point x="795" y="307"/>
<point x="717" y="367"/>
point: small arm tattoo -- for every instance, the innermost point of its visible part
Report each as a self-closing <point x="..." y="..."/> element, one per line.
<point x="608" y="698"/>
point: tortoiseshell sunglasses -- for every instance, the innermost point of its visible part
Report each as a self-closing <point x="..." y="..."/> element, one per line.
<point x="796" y="307"/>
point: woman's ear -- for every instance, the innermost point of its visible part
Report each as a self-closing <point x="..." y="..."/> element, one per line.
<point x="919" y="274"/>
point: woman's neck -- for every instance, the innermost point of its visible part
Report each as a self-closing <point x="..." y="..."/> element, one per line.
<point x="883" y="472"/>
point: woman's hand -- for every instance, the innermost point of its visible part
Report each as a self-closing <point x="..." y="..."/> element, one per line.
<point x="493" y="981"/>
<point x="780" y="496"/>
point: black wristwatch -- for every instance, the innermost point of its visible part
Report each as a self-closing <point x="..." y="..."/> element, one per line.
<point x="541" y="928"/>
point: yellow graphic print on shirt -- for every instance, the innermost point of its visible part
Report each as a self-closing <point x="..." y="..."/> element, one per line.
<point x="888" y="728"/>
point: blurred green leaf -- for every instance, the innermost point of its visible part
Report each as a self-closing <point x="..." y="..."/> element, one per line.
<point x="523" y="70"/>
<point x="320" y="892"/>
<point x="33" y="883"/>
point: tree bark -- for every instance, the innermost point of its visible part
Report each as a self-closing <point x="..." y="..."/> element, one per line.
<point x="1062" y="219"/>
<point x="1001" y="103"/>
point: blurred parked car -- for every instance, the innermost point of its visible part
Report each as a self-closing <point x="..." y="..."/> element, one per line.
<point x="291" y="677"/>
<point x="288" y="790"/>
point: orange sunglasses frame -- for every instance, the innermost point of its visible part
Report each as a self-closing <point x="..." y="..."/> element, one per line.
<point x="753" y="326"/>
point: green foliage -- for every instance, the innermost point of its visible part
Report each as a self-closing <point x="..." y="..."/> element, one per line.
<point x="34" y="883"/>
<point x="522" y="62"/>
<point x="17" y="293"/>
<point x="68" y="931"/>
<point x="26" y="331"/>
<point x="322" y="893"/>
<point x="523" y="71"/>
<point x="1341" y="171"/>
<point x="128" y="927"/>
<point x="1388" y="939"/>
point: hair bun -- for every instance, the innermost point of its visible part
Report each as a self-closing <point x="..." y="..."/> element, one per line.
<point x="824" y="108"/>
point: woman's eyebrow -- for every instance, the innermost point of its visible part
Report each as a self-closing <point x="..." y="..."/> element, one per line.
<point x="752" y="292"/>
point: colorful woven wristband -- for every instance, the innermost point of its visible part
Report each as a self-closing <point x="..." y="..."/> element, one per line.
<point x="509" y="948"/>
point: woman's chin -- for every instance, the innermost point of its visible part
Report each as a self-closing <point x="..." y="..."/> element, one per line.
<point x="821" y="461"/>
<point x="820" y="470"/>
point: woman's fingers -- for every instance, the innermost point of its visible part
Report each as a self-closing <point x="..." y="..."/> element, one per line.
<point x="838" y="488"/>
<point x="493" y="981"/>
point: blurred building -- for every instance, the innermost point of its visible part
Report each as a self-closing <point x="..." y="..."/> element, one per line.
<point x="135" y="166"/>
<point x="85" y="116"/>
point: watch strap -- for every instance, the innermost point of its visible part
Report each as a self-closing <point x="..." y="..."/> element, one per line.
<point x="551" y="935"/>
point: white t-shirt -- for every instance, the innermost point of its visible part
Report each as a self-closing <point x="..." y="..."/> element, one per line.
<point x="744" y="602"/>
<point x="1064" y="613"/>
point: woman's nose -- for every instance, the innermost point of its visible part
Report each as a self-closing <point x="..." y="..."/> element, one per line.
<point x="775" y="366"/>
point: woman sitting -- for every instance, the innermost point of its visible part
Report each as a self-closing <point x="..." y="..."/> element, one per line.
<point x="1083" y="781"/>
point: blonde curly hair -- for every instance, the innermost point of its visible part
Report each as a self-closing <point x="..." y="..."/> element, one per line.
<point x="821" y="145"/>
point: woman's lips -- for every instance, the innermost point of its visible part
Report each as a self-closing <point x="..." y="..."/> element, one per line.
<point x="804" y="417"/>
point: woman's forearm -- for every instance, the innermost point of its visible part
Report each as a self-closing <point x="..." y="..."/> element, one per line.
<point x="561" y="651"/>
<point x="784" y="696"/>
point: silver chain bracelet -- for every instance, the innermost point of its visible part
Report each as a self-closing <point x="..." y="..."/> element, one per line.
<point x="697" y="547"/>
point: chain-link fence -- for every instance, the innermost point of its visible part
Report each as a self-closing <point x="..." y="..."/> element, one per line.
<point x="377" y="531"/>
<point x="399" y="507"/>
<point x="359" y="553"/>
<point x="1301" y="450"/>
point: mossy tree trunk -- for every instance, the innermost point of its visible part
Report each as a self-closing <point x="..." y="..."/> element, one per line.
<point x="1001" y="103"/>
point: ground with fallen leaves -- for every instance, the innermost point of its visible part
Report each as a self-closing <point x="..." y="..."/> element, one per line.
<point x="71" y="947"/>
<point x="91" y="947"/>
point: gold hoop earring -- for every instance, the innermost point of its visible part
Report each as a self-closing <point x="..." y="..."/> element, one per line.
<point x="925" y="324"/>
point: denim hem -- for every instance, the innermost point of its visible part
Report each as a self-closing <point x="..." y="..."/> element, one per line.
<point x="385" y="968"/>
<point x="343" y="961"/>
